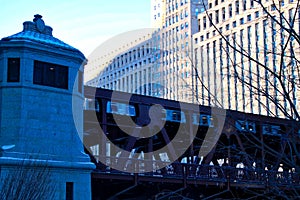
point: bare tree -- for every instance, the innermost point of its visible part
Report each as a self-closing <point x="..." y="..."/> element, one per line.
<point x="260" y="60"/>
<point x="267" y="65"/>
<point x="27" y="180"/>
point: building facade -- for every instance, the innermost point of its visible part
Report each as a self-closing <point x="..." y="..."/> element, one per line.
<point x="169" y="57"/>
<point x="176" y="60"/>
<point x="192" y="61"/>
<point x="131" y="71"/>
<point x="232" y="36"/>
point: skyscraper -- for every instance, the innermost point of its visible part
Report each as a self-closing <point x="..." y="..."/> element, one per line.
<point x="246" y="56"/>
<point x="168" y="57"/>
<point x="206" y="51"/>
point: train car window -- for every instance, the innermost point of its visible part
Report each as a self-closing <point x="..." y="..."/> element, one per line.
<point x="245" y="126"/>
<point x="120" y="108"/>
<point x="174" y="116"/>
<point x="114" y="108"/>
<point x="195" y="119"/>
<point x="269" y="129"/>
<point x="206" y="120"/>
<point x="211" y="124"/>
<point x="203" y="120"/>
<point x="91" y="104"/>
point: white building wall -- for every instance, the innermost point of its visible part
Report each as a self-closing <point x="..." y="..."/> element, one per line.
<point x="248" y="28"/>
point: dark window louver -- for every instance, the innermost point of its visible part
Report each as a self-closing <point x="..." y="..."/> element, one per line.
<point x="49" y="74"/>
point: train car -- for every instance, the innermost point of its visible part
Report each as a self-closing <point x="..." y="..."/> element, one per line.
<point x="244" y="138"/>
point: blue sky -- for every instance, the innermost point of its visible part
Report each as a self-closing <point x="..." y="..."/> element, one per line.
<point x="82" y="24"/>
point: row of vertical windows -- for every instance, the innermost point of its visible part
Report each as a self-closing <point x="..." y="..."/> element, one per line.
<point x="268" y="32"/>
<point x="215" y="18"/>
<point x="130" y="56"/>
<point x="176" y="5"/>
<point x="108" y="75"/>
<point x="175" y="18"/>
<point x="227" y="26"/>
<point x="138" y="78"/>
<point x="47" y="74"/>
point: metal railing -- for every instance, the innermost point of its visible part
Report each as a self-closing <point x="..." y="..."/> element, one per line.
<point x="203" y="172"/>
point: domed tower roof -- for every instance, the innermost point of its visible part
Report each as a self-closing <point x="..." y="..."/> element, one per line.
<point x="38" y="32"/>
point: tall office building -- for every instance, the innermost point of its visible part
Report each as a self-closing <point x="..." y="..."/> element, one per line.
<point x="230" y="78"/>
<point x="178" y="22"/>
<point x="188" y="60"/>
<point x="167" y="63"/>
<point x="111" y="65"/>
<point x="157" y="13"/>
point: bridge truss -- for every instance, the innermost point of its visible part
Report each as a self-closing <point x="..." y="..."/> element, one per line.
<point x="229" y="154"/>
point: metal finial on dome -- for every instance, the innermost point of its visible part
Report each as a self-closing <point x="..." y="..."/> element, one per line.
<point x="40" y="24"/>
<point x="37" y="16"/>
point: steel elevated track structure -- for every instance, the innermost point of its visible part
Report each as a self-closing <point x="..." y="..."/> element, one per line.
<point x="250" y="156"/>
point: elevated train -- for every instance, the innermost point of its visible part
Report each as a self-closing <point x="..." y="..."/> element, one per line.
<point x="246" y="139"/>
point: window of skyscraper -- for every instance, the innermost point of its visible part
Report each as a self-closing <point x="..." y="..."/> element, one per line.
<point x="237" y="7"/>
<point x="227" y="26"/>
<point x="256" y="14"/>
<point x="186" y="13"/>
<point x="230" y="10"/>
<point x="244" y="5"/>
<point x="249" y="17"/>
<point x="217" y="16"/>
<point x="251" y="3"/>
<point x="223" y="14"/>
<point x="273" y="7"/>
<point x="242" y="21"/>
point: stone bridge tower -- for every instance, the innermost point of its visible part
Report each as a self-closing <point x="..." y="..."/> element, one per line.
<point x="41" y="77"/>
